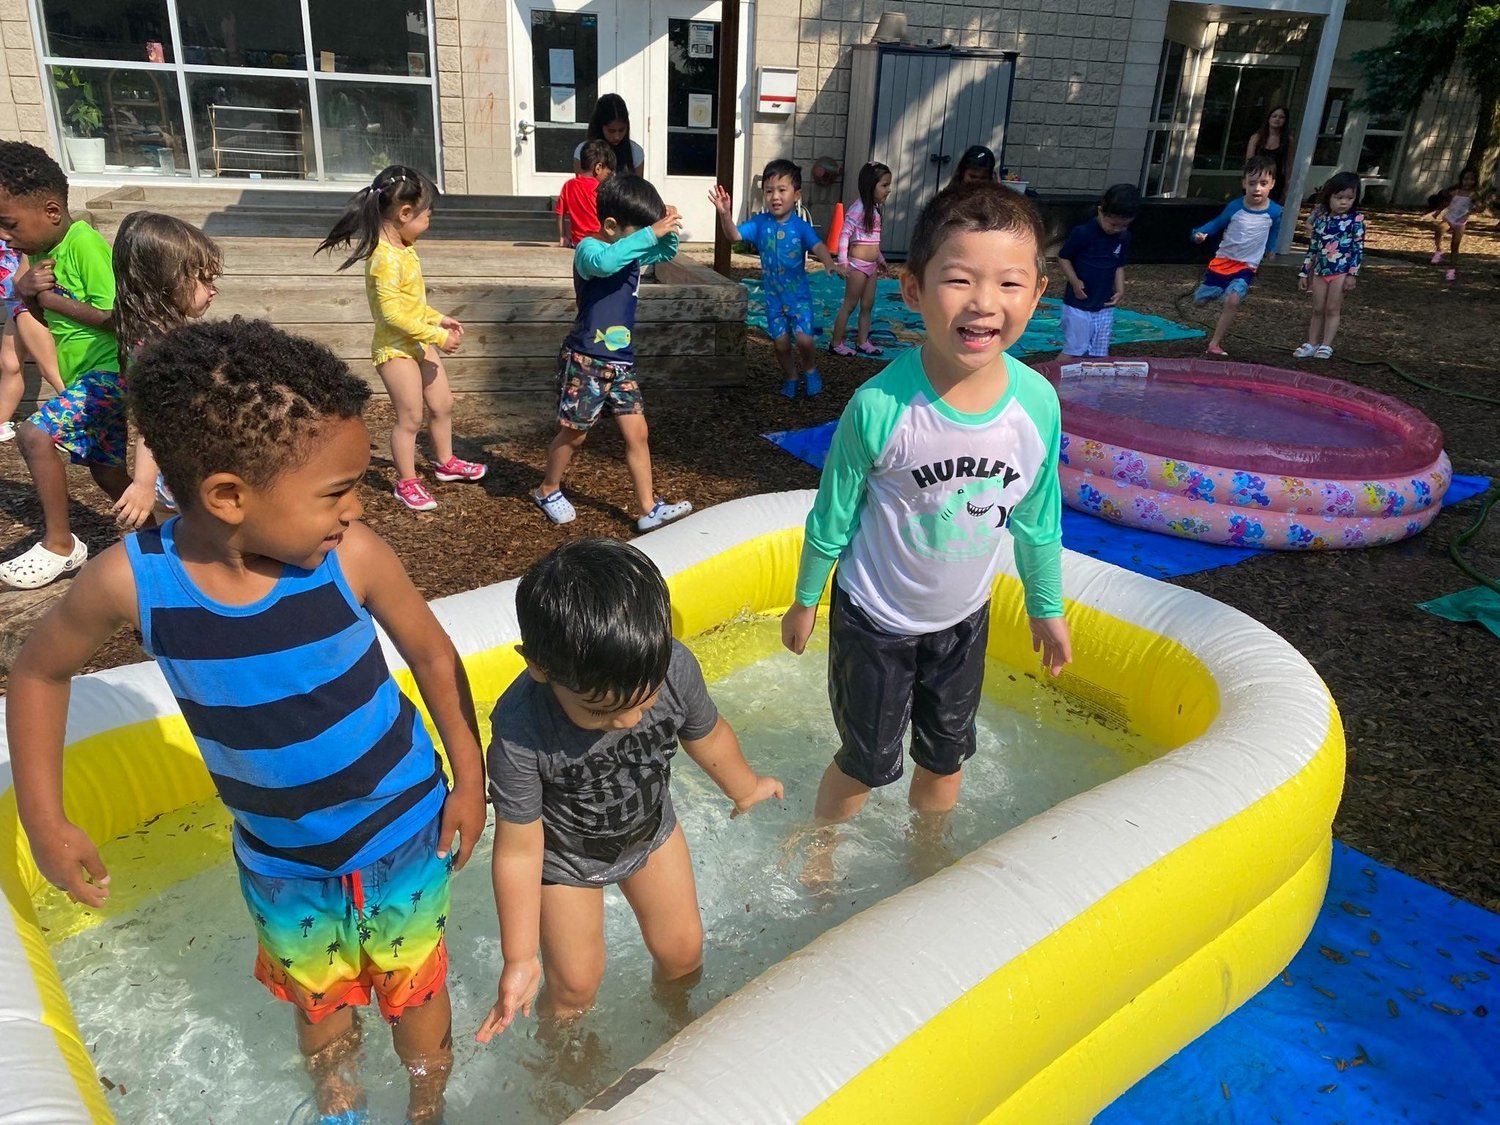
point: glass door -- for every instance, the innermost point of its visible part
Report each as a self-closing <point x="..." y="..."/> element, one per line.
<point x="683" y="62"/>
<point x="1168" y="141"/>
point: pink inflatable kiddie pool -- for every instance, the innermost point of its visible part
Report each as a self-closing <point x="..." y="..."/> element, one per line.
<point x="1245" y="455"/>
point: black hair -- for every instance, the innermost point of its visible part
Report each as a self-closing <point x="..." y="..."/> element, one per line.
<point x="975" y="156"/>
<point x="26" y="171"/>
<point x="782" y="167"/>
<point x="359" y="226"/>
<point x="595" y="616"/>
<point x="256" y="396"/>
<point x="1340" y="181"/>
<point x="1123" y="201"/>
<point x="974" y="207"/>
<point x="1260" y="165"/>
<point x="608" y="109"/>
<point x="630" y="201"/>
<point x="869" y="178"/>
<point x="594" y="153"/>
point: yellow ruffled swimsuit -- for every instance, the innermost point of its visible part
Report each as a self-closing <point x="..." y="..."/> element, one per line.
<point x="404" y="322"/>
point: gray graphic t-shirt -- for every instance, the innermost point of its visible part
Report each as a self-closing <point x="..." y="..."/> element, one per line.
<point x="602" y="796"/>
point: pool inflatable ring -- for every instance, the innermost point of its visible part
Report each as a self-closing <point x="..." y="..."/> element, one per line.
<point x="1032" y="981"/>
<point x="1246" y="455"/>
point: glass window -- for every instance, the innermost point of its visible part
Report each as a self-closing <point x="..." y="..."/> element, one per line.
<point x="370" y="37"/>
<point x="564" y="83"/>
<point x="692" y="97"/>
<point x="368" y="125"/>
<point x="1377" y="156"/>
<point x="1218" y="107"/>
<point x="135" y="114"/>
<point x="129" y="30"/>
<point x="260" y="33"/>
<point x="1331" y="127"/>
<point x="251" y="126"/>
<point x="1236" y="104"/>
<point x="1169" y="80"/>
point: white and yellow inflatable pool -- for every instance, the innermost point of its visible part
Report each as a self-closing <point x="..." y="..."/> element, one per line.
<point x="1031" y="982"/>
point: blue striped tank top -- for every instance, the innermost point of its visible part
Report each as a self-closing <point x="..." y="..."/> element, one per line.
<point x="321" y="758"/>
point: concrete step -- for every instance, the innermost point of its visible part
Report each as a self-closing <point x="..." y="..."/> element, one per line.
<point x="135" y="198"/>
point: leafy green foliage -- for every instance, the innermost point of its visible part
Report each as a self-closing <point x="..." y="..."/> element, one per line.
<point x="80" y="109"/>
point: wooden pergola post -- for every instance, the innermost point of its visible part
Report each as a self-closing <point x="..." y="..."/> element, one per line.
<point x="729" y="96"/>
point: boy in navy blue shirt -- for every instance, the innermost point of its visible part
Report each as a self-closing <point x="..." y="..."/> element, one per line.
<point x="1093" y="260"/>
<point x="596" y="370"/>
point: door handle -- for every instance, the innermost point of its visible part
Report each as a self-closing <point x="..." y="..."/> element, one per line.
<point x="940" y="158"/>
<point x="525" y="128"/>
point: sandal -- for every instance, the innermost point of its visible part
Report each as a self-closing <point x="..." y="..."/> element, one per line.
<point x="1323" y="351"/>
<point x="1216" y="352"/>
<point x="40" y="567"/>
<point x="559" y="508"/>
<point x="844" y="350"/>
<point x="870" y="349"/>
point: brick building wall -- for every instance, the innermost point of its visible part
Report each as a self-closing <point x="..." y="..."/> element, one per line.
<point x="23" y="116"/>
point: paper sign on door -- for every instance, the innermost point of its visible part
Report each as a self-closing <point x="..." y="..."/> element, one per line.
<point x="560" y="66"/>
<point x="564" y="105"/>
<point x="700" y="111"/>
<point x="700" y="40"/>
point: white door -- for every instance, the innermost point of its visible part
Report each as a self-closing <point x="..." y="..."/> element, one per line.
<point x="564" y="54"/>
<point x="682" y="79"/>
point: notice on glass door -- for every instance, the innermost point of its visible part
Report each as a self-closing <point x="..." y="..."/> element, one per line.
<point x="700" y="40"/>
<point x="564" y="105"/>
<point x="700" y="111"/>
<point x="560" y="66"/>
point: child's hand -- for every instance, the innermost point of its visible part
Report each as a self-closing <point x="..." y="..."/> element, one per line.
<point x="765" y="789"/>
<point x="463" y="813"/>
<point x="670" y="223"/>
<point x="68" y="860"/>
<point x="451" y="341"/>
<point x="134" y="506"/>
<point x="797" y="625"/>
<point x="1050" y="637"/>
<point x="452" y="324"/>
<point x="1349" y="280"/>
<point x="1078" y="290"/>
<point x="1303" y="283"/>
<point x="1199" y="236"/>
<point x="719" y="197"/>
<point x="519" y="982"/>
<point x="1116" y="297"/>
<point x="38" y="279"/>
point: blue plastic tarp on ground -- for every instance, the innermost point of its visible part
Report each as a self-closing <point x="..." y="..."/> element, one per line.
<point x="895" y="327"/>
<point x="1145" y="552"/>
<point x="1390" y="1012"/>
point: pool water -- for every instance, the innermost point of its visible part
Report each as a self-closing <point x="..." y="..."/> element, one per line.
<point x="180" y="1031"/>
<point x="1260" y="415"/>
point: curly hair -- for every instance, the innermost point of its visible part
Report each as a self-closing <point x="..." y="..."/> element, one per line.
<point x="26" y="170"/>
<point x="975" y="207"/>
<point x="158" y="260"/>
<point x="238" y="396"/>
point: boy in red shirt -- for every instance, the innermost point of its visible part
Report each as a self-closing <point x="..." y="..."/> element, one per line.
<point x="577" y="203"/>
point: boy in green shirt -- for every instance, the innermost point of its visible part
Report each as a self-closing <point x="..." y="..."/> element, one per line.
<point x="71" y="287"/>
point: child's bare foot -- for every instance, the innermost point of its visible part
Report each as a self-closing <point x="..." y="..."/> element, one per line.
<point x="334" y="1068"/>
<point x="930" y="846"/>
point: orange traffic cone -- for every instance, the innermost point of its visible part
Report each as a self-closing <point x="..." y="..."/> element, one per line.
<point x="836" y="227"/>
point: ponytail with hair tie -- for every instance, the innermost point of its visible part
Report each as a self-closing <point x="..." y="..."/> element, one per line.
<point x="359" y="226"/>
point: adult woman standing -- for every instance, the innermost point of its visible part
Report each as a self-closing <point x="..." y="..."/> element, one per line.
<point x="611" y="124"/>
<point x="1275" y="140"/>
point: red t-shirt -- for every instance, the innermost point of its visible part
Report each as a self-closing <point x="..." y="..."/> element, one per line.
<point x="579" y="201"/>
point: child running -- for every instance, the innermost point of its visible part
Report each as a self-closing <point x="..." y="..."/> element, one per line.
<point x="1451" y="219"/>
<point x="166" y="272"/>
<point x="70" y="288"/>
<point x="596" y="370"/>
<point x="579" y="770"/>
<point x="931" y="460"/>
<point x="382" y="223"/>
<point x="578" y="202"/>
<point x="859" y="254"/>
<point x="1335" y="249"/>
<point x="1249" y="227"/>
<point x="783" y="239"/>
<point x="24" y="337"/>
<point x="1093" y="260"/>
<point x="259" y="604"/>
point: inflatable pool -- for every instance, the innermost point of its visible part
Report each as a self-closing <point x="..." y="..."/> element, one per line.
<point x="1246" y="455"/>
<point x="1033" y="980"/>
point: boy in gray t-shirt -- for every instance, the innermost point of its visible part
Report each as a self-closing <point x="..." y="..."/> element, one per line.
<point x="579" y="768"/>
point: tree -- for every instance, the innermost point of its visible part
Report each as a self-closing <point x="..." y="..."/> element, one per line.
<point x="1429" y="39"/>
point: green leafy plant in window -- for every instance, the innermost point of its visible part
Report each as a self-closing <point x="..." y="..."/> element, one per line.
<point x="81" y="109"/>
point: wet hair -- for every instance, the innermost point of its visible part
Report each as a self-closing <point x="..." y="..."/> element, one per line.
<point x="974" y="207"/>
<point x="975" y="156"/>
<point x="595" y="153"/>
<point x="595" y="616"/>
<point x="158" y="261"/>
<point x="1260" y="165"/>
<point x="1123" y="201"/>
<point x="607" y="110"/>
<point x="782" y="167"/>
<point x="1338" y="182"/>
<point x="359" y="226"/>
<point x="869" y="178"/>
<point x="237" y="396"/>
<point x="631" y="201"/>
<point x="26" y="171"/>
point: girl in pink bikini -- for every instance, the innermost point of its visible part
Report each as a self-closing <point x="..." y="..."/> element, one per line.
<point x="859" y="253"/>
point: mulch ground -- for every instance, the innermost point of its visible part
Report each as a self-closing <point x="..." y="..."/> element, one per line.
<point x="1417" y="694"/>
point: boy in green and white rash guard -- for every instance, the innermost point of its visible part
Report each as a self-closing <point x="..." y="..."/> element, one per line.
<point x="931" y="459"/>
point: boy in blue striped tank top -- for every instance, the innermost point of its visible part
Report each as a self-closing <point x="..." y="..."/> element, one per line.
<point x="259" y="604"/>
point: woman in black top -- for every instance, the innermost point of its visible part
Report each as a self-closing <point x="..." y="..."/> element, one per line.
<point x="1275" y="140"/>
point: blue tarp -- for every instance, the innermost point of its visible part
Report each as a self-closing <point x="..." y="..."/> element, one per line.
<point x="1145" y="552"/>
<point x="896" y="328"/>
<point x="1390" y="1012"/>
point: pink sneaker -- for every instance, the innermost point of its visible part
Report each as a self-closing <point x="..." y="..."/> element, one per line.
<point x="456" y="469"/>
<point x="1437" y="257"/>
<point x="1451" y="275"/>
<point x="414" y="495"/>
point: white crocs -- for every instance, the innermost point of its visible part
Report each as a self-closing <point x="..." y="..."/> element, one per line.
<point x="663" y="513"/>
<point x="40" y="567"/>
<point x="1305" y="351"/>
